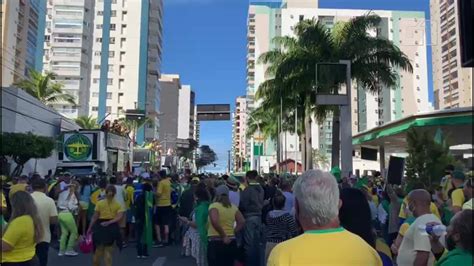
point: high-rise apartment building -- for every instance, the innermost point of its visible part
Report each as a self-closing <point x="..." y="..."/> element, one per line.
<point x="22" y="28"/>
<point x="177" y="113"/>
<point x="268" y="19"/>
<point x="186" y="113"/>
<point x="239" y="131"/>
<point x="126" y="59"/>
<point x="452" y="84"/>
<point x="68" y="51"/>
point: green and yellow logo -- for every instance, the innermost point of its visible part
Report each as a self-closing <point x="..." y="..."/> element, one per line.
<point x="77" y="147"/>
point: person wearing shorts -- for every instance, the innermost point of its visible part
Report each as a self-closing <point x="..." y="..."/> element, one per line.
<point x="163" y="211"/>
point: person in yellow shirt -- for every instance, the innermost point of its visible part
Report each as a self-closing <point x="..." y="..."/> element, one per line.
<point x="22" y="232"/>
<point x="446" y="183"/>
<point x="317" y="206"/>
<point x="20" y="186"/>
<point x="468" y="192"/>
<point x="223" y="215"/>
<point x="129" y="202"/>
<point x="163" y="211"/>
<point x="457" y="196"/>
<point x="105" y="223"/>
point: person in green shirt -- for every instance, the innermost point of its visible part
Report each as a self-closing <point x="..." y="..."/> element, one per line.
<point x="458" y="242"/>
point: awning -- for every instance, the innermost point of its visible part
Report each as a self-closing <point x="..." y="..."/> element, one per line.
<point x="455" y="125"/>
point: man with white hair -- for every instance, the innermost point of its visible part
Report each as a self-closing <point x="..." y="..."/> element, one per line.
<point x="324" y="241"/>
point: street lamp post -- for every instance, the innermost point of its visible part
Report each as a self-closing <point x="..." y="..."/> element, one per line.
<point x="344" y="102"/>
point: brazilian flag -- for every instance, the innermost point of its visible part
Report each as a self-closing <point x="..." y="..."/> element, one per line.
<point x="147" y="236"/>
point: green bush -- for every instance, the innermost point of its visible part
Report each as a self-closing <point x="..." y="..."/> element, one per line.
<point x="22" y="147"/>
<point x="427" y="158"/>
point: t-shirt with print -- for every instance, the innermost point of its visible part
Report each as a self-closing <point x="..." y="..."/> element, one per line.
<point x="20" y="235"/>
<point x="46" y="210"/>
<point x="324" y="247"/>
<point x="108" y="209"/>
<point x="416" y="240"/>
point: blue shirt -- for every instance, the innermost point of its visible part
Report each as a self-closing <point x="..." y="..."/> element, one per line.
<point x="289" y="202"/>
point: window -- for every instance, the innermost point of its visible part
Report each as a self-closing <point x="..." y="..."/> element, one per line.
<point x="95" y="81"/>
<point x="111" y="54"/>
<point x="112" y="40"/>
<point x="100" y="13"/>
<point x="121" y="70"/>
<point x="111" y="68"/>
<point x="99" y="40"/>
<point x="95" y="108"/>
<point x="95" y="94"/>
<point x="122" y="42"/>
<point x="119" y="109"/>
<point x="110" y="81"/>
<point x="122" y="56"/>
<point x="112" y="27"/>
<point x="97" y="53"/>
<point x="96" y="66"/>
<point x="417" y="77"/>
<point x="98" y="26"/>
<point x="419" y="101"/>
<point x="121" y="84"/>
<point x="119" y="96"/>
<point x="109" y="95"/>
<point x="108" y="109"/>
<point x="113" y="13"/>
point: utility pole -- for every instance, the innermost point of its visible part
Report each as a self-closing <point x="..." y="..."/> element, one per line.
<point x="228" y="161"/>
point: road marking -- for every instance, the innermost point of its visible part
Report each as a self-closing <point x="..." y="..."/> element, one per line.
<point x="160" y="261"/>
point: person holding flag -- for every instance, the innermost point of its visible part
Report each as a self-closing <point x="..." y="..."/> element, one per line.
<point x="144" y="203"/>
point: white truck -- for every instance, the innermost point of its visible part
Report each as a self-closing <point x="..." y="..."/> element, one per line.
<point x="91" y="152"/>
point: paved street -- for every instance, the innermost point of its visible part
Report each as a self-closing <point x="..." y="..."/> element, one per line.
<point x="169" y="256"/>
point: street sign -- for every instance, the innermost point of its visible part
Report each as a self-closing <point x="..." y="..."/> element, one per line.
<point x="213" y="112"/>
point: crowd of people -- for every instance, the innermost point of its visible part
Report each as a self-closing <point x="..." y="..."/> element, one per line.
<point x="313" y="219"/>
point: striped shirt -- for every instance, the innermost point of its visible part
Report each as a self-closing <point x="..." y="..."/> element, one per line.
<point x="281" y="226"/>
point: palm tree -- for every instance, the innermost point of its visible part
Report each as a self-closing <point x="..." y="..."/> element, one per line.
<point x="373" y="60"/>
<point x="45" y="89"/>
<point x="293" y="68"/>
<point x="134" y="125"/>
<point x="87" y="122"/>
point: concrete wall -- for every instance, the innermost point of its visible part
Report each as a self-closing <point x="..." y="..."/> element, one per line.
<point x="23" y="113"/>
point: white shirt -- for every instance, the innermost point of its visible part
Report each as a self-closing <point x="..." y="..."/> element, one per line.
<point x="46" y="209"/>
<point x="416" y="240"/>
<point x="120" y="195"/>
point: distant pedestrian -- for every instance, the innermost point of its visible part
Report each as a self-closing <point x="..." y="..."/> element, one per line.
<point x="48" y="215"/>
<point x="251" y="206"/>
<point x="105" y="226"/>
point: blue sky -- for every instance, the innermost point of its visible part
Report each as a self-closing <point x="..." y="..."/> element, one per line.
<point x="205" y="43"/>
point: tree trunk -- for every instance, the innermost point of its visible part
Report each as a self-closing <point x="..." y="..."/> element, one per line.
<point x="303" y="150"/>
<point x="278" y="150"/>
<point x="336" y="139"/>
<point x="307" y="129"/>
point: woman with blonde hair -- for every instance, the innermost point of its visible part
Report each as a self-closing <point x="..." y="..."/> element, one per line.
<point x="68" y="206"/>
<point x="22" y="233"/>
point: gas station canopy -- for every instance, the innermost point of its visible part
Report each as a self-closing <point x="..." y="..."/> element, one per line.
<point x="455" y="125"/>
